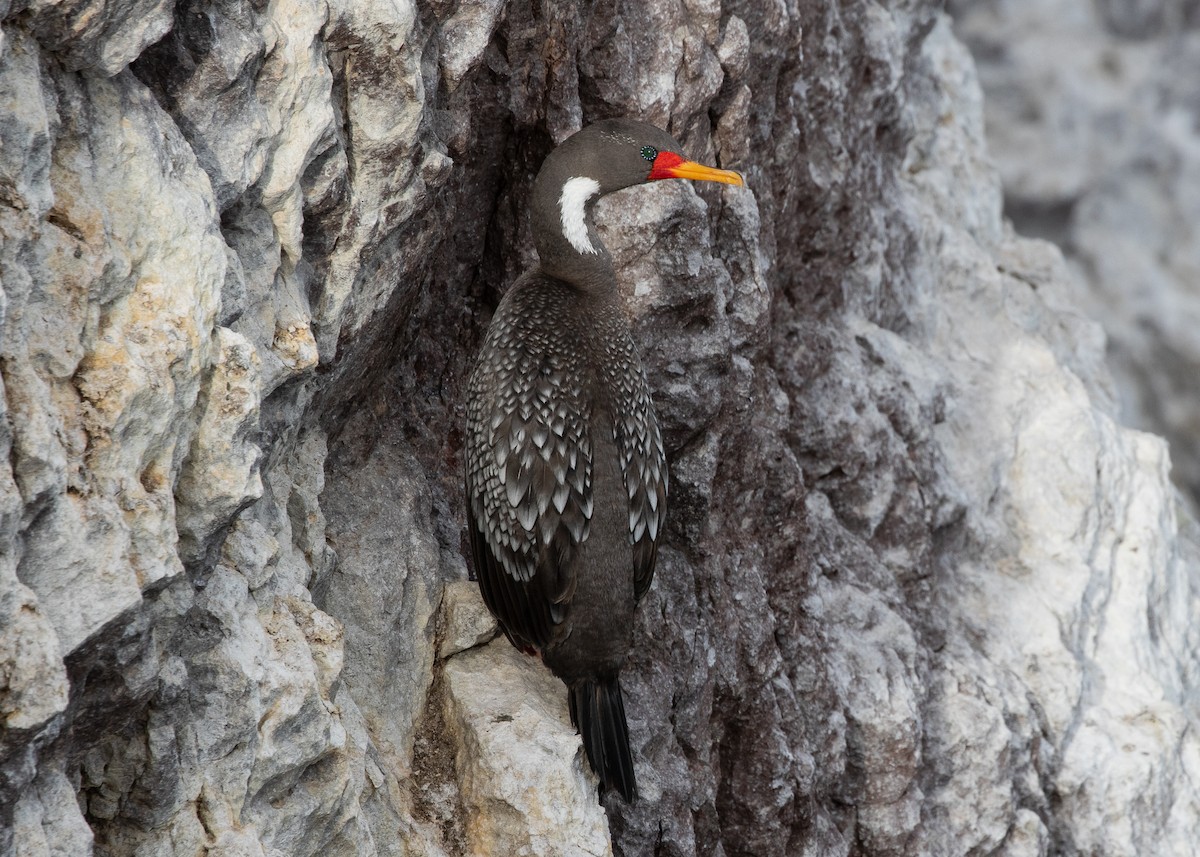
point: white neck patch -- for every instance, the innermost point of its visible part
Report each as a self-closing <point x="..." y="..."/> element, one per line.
<point x="575" y="194"/>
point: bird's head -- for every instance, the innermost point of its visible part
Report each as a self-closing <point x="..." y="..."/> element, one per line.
<point x="604" y="157"/>
<point x="622" y="153"/>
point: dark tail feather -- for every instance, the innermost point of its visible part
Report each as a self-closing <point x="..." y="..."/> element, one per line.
<point x="598" y="712"/>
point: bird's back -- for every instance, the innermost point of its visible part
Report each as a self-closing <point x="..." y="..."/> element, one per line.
<point x="566" y="477"/>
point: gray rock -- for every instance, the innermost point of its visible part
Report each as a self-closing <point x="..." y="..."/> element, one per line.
<point x="920" y="592"/>
<point x="46" y="820"/>
<point x="1090" y="115"/>
<point x="100" y="35"/>
<point x="25" y="157"/>
<point x="383" y="586"/>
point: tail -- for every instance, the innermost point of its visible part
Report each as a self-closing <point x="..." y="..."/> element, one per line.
<point x="598" y="712"/>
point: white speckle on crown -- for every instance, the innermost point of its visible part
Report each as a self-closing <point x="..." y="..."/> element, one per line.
<point x="572" y="204"/>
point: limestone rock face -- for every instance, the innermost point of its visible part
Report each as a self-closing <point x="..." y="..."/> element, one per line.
<point x="921" y="592"/>
<point x="1091" y="116"/>
<point x="509" y="758"/>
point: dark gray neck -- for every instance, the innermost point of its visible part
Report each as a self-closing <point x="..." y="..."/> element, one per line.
<point x="568" y="245"/>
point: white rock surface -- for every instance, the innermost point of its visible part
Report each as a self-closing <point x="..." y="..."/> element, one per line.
<point x="220" y="476"/>
<point x="106" y="399"/>
<point x="466" y="622"/>
<point x="510" y="724"/>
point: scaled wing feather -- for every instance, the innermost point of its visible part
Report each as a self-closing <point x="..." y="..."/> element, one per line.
<point x="528" y="468"/>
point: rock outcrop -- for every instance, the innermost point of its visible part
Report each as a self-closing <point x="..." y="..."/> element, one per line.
<point x="921" y="593"/>
<point x="1091" y="116"/>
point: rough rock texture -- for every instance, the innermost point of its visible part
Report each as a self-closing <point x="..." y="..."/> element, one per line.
<point x="493" y="702"/>
<point x="1092" y="116"/>
<point x="921" y="592"/>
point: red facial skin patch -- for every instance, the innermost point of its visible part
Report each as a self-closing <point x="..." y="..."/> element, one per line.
<point x="663" y="166"/>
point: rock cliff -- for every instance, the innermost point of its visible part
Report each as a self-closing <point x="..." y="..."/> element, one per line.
<point x="1091" y="116"/>
<point x="921" y="593"/>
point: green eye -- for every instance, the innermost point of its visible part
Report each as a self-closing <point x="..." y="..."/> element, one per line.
<point x="649" y="153"/>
